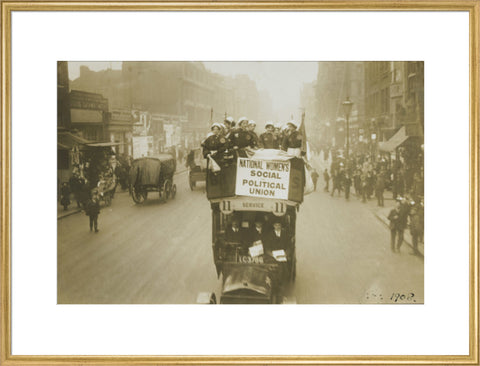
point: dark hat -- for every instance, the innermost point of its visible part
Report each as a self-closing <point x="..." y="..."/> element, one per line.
<point x="259" y="218"/>
<point x="277" y="220"/>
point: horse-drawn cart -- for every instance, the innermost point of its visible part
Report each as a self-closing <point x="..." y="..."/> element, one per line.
<point x="153" y="174"/>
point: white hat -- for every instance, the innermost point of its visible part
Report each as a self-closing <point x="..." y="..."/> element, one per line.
<point x="229" y="119"/>
<point x="252" y="122"/>
<point x="293" y="123"/>
<point x="216" y="125"/>
<point x="269" y="124"/>
<point x="241" y="119"/>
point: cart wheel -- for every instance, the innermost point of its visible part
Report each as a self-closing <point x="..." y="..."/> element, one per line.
<point x="138" y="196"/>
<point x="174" y="191"/>
<point x="167" y="187"/>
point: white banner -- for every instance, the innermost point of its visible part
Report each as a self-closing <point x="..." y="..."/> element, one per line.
<point x="261" y="178"/>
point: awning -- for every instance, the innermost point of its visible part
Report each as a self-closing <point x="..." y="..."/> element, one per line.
<point x="104" y="144"/>
<point x="67" y="140"/>
<point x="61" y="146"/>
<point x="399" y="138"/>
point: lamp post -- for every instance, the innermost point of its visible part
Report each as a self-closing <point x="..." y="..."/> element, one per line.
<point x="347" y="108"/>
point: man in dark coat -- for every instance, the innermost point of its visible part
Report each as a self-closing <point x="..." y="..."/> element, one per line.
<point x="357" y="183"/>
<point x="347" y="183"/>
<point x="326" y="178"/>
<point x="235" y="234"/>
<point x="398" y="221"/>
<point x="380" y="188"/>
<point x="258" y="232"/>
<point x="92" y="209"/>
<point x="268" y="139"/>
<point x="416" y="225"/>
<point x="278" y="239"/>
<point x="337" y="182"/>
<point x="314" y="176"/>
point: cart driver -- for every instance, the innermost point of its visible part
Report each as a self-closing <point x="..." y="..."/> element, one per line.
<point x="277" y="239"/>
<point x="236" y="234"/>
<point x="258" y="232"/>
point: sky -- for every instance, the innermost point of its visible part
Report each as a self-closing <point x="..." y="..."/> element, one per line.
<point x="282" y="80"/>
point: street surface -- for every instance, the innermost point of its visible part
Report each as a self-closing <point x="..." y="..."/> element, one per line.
<point x="160" y="253"/>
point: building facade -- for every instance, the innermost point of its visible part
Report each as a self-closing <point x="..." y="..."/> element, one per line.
<point x="89" y="115"/>
<point x="337" y="81"/>
<point x="186" y="94"/>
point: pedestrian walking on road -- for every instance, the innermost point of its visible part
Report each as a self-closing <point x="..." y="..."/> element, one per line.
<point x="92" y="210"/>
<point x="370" y="183"/>
<point x="347" y="182"/>
<point x="363" y="187"/>
<point x="314" y="176"/>
<point x="398" y="221"/>
<point x="326" y="178"/>
<point x="379" y="189"/>
<point x="357" y="183"/>
<point x="337" y="184"/>
<point x="416" y="227"/>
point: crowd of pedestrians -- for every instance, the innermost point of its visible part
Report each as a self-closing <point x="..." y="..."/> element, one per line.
<point x="369" y="179"/>
<point x="86" y="195"/>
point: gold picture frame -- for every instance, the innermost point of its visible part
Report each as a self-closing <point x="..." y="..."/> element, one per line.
<point x="470" y="6"/>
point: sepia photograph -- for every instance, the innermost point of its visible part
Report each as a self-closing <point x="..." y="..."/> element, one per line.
<point x="208" y="182"/>
<point x="158" y="157"/>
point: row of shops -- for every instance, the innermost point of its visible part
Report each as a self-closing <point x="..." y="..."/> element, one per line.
<point x="91" y="135"/>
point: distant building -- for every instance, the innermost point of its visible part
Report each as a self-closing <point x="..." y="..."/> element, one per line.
<point x="89" y="115"/>
<point x="309" y="103"/>
<point x="120" y="128"/>
<point x="186" y="93"/>
<point x="63" y="90"/>
<point x="378" y="80"/>
<point x="394" y="97"/>
<point x="335" y="82"/>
